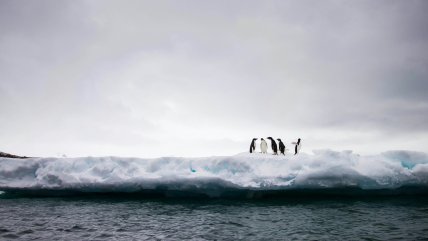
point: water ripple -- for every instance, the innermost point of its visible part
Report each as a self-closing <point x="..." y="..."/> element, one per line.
<point x="106" y="219"/>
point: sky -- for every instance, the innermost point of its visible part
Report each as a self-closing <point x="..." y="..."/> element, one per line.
<point x="202" y="78"/>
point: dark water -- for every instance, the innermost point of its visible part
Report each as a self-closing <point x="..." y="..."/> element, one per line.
<point x="387" y="218"/>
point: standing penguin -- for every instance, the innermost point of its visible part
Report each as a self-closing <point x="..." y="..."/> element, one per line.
<point x="297" y="146"/>
<point x="253" y="145"/>
<point x="263" y="146"/>
<point x="281" y="147"/>
<point x="273" y="145"/>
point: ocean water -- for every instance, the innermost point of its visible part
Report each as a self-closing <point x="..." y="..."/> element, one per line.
<point x="309" y="218"/>
<point x="326" y="195"/>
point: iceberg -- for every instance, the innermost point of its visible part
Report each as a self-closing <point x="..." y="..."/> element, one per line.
<point x="245" y="174"/>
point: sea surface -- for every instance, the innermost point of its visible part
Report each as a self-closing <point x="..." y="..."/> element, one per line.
<point x="127" y="218"/>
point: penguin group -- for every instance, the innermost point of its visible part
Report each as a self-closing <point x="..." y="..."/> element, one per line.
<point x="274" y="146"/>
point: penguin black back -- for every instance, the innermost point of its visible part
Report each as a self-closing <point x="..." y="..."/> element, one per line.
<point x="273" y="145"/>
<point x="281" y="146"/>
<point x="253" y="145"/>
<point x="296" y="148"/>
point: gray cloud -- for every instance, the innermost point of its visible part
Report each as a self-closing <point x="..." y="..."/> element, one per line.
<point x="175" y="78"/>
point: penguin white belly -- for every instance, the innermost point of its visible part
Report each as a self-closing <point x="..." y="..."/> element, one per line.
<point x="263" y="147"/>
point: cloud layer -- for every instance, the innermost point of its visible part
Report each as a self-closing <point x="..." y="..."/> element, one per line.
<point x="203" y="78"/>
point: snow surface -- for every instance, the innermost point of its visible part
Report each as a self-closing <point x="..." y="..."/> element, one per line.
<point x="321" y="170"/>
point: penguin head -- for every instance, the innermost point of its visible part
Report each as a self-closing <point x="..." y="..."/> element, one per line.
<point x="254" y="139"/>
<point x="270" y="138"/>
<point x="279" y="139"/>
<point x="262" y="139"/>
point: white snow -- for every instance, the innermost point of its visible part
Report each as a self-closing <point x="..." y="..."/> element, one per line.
<point x="322" y="169"/>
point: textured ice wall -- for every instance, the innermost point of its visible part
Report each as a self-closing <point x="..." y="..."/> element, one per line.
<point x="322" y="169"/>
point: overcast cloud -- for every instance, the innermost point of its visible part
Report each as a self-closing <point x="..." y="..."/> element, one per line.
<point x="196" y="78"/>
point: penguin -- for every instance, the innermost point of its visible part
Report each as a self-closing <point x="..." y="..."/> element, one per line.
<point x="281" y="147"/>
<point x="253" y="145"/>
<point x="273" y="145"/>
<point x="263" y="145"/>
<point x="297" y="146"/>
